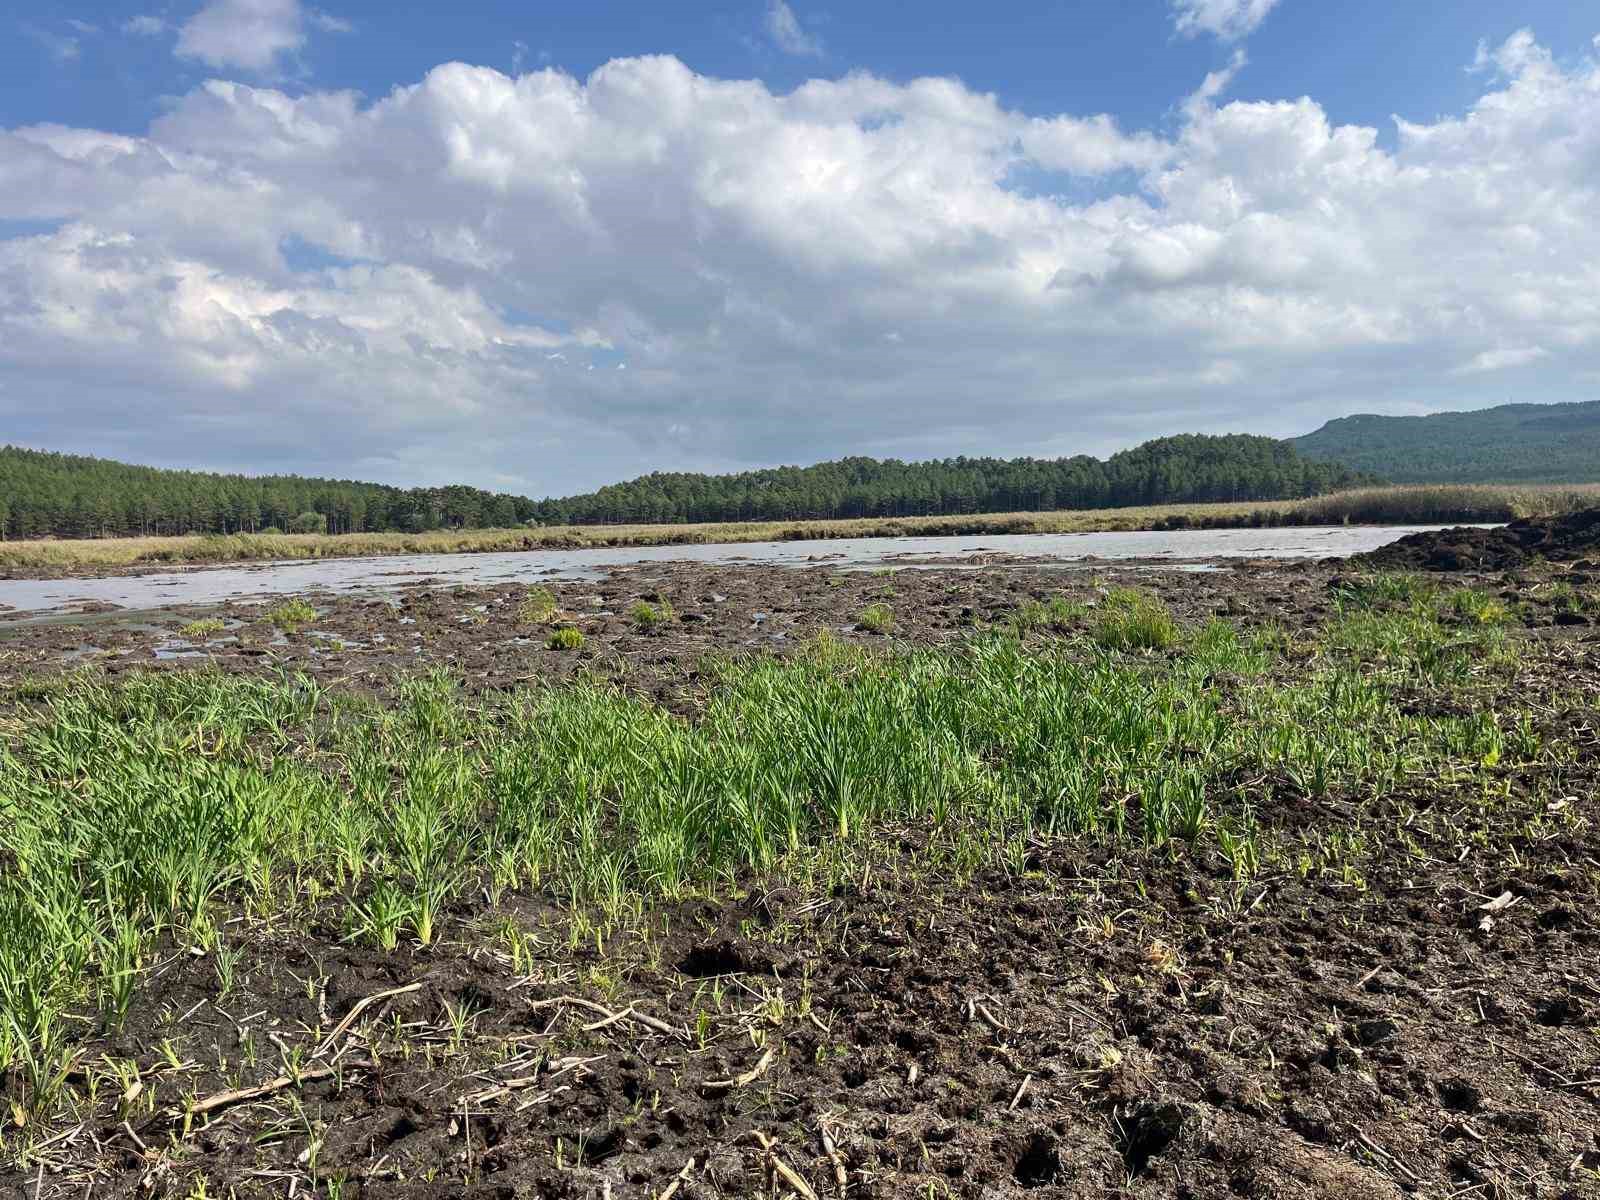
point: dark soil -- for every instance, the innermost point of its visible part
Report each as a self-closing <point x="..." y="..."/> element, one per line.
<point x="1109" y="1023"/>
<point x="365" y="643"/>
<point x="1567" y="539"/>
<point x="1101" y="1021"/>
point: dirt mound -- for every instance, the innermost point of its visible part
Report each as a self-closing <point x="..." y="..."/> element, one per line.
<point x="1567" y="538"/>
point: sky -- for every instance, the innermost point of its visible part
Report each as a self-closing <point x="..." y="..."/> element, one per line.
<point x="539" y="248"/>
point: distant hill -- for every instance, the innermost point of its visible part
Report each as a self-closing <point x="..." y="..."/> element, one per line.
<point x="1183" y="469"/>
<point x="68" y="495"/>
<point x="1515" y="443"/>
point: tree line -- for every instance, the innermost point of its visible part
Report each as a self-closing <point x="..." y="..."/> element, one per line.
<point x="44" y="494"/>
<point x="1182" y="469"/>
<point x="60" y="495"/>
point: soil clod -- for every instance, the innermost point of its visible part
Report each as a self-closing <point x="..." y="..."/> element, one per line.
<point x="1573" y="538"/>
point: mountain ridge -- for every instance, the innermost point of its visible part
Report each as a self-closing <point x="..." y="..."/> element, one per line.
<point x="1509" y="443"/>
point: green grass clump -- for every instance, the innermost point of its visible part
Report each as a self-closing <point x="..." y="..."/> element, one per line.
<point x="119" y="839"/>
<point x="1058" y="614"/>
<point x="568" y="637"/>
<point x="203" y="628"/>
<point x="1412" y="645"/>
<point x="1129" y="619"/>
<point x="1381" y="589"/>
<point x="538" y="607"/>
<point x="1564" y="597"/>
<point x="292" y="614"/>
<point x="1476" y="608"/>
<point x="647" y="617"/>
<point x="1220" y="647"/>
<point x="876" y="618"/>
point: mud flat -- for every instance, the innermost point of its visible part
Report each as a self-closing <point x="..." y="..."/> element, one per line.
<point x="1275" y="879"/>
<point x="22" y="594"/>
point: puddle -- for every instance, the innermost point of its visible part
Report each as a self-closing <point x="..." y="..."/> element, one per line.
<point x="335" y="642"/>
<point x="178" y="649"/>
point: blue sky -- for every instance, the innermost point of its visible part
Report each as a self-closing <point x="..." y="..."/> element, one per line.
<point x="548" y="246"/>
<point x="1363" y="59"/>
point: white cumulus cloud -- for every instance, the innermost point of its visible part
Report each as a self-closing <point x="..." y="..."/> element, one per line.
<point x="251" y="34"/>
<point x="1229" y="20"/>
<point x="848" y="267"/>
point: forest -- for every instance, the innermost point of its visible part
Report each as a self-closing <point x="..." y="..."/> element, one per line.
<point x="1171" y="470"/>
<point x="63" y="495"/>
<point x="58" y="495"/>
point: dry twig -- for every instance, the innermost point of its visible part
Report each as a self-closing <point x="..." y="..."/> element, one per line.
<point x="1385" y="1156"/>
<point x="1021" y="1088"/>
<point x="739" y="1081"/>
<point x="628" y="1014"/>
<point x="990" y="1019"/>
<point x="362" y="1005"/>
<point x="840" y="1176"/>
<point x="220" y="1100"/>
<point x="783" y="1170"/>
<point x="678" y="1181"/>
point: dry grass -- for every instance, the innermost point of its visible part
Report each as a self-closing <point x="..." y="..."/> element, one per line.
<point x="1427" y="504"/>
<point x="1402" y="505"/>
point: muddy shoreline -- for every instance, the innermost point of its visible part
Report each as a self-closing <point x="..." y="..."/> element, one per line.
<point x="150" y="585"/>
<point x="477" y="631"/>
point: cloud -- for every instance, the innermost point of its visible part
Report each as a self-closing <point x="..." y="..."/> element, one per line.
<point x="251" y="34"/>
<point x="847" y="267"/>
<point x="784" y="28"/>
<point x="1501" y="360"/>
<point x="1215" y="84"/>
<point x="83" y="27"/>
<point x="60" y="47"/>
<point x="1228" y="20"/>
<point x="328" y="23"/>
<point x="144" y="25"/>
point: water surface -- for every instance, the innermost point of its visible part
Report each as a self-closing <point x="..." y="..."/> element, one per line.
<point x="211" y="585"/>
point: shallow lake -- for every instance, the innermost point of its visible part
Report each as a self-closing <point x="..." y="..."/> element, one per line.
<point x="210" y="585"/>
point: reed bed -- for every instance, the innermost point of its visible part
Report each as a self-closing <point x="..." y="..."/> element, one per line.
<point x="1443" y="504"/>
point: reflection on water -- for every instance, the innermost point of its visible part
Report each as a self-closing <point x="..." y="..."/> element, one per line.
<point x="205" y="585"/>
